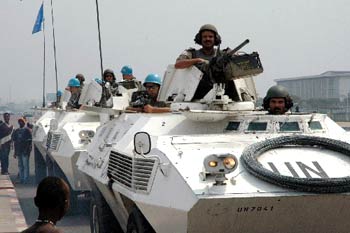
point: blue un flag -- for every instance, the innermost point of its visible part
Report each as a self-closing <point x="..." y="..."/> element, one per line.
<point x="39" y="20"/>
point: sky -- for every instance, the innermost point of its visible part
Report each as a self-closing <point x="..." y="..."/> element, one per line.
<point x="294" y="38"/>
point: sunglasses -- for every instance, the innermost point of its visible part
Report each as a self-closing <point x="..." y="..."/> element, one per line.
<point x="150" y="87"/>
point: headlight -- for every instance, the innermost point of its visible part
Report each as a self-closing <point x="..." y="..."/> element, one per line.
<point x="220" y="163"/>
<point x="213" y="163"/>
<point x="229" y="162"/>
<point x="86" y="134"/>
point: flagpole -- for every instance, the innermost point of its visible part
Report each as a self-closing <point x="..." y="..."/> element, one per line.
<point x="44" y="68"/>
<point x="54" y="49"/>
<point x="99" y="36"/>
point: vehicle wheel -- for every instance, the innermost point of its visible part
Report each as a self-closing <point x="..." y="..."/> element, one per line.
<point x="137" y="223"/>
<point x="102" y="219"/>
<point x="73" y="199"/>
<point x="40" y="166"/>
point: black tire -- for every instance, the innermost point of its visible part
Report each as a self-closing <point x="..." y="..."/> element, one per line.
<point x="137" y="223"/>
<point x="102" y="219"/>
<point x="40" y="166"/>
<point x="249" y="159"/>
<point x="73" y="199"/>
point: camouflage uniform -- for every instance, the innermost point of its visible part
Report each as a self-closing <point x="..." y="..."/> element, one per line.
<point x="131" y="84"/>
<point x="74" y="101"/>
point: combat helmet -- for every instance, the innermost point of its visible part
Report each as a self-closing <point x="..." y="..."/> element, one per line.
<point x="80" y="77"/>
<point x="153" y="78"/>
<point x="108" y="71"/>
<point x="277" y="91"/>
<point x="207" y="27"/>
<point x="126" y="70"/>
<point x="73" y="82"/>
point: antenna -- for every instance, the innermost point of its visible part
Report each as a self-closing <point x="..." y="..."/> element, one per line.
<point x="54" y="49"/>
<point x="99" y="36"/>
<point x="44" y="58"/>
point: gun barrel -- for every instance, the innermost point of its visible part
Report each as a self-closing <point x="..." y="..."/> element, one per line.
<point x="238" y="47"/>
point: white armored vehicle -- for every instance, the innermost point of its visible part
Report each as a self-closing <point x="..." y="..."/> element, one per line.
<point x="40" y="132"/>
<point x="69" y="133"/>
<point x="217" y="165"/>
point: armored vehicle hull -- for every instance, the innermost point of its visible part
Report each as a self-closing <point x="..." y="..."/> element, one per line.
<point x="69" y="136"/>
<point x="217" y="165"/>
<point x="171" y="189"/>
<point x="40" y="132"/>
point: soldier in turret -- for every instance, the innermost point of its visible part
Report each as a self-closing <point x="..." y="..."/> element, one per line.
<point x="109" y="87"/>
<point x="208" y="37"/>
<point x="277" y="100"/>
<point x="74" y="88"/>
<point x="81" y="79"/>
<point x="129" y="81"/>
<point x="146" y="101"/>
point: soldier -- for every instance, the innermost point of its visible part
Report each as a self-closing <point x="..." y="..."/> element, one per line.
<point x="5" y="143"/>
<point x="208" y="37"/>
<point x="74" y="88"/>
<point x="109" y="87"/>
<point x="129" y="81"/>
<point x="109" y="77"/>
<point x="146" y="101"/>
<point x="52" y="200"/>
<point x="81" y="79"/>
<point x="127" y="73"/>
<point x="277" y="100"/>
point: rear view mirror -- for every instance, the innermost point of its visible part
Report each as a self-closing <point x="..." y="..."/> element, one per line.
<point x="142" y="143"/>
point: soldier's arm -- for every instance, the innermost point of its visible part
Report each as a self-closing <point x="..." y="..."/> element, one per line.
<point x="182" y="64"/>
<point x="134" y="109"/>
<point x="186" y="60"/>
<point x="150" y="109"/>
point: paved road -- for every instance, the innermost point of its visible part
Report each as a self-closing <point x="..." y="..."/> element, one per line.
<point x="78" y="223"/>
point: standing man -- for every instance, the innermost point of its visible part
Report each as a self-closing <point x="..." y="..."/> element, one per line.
<point x="22" y="140"/>
<point x="277" y="100"/>
<point x="5" y="143"/>
<point x="208" y="37"/>
<point x="129" y="81"/>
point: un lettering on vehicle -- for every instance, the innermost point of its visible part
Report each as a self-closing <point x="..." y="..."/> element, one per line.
<point x="298" y="169"/>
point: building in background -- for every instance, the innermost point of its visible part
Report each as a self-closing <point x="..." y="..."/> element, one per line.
<point x="328" y="85"/>
<point x="328" y="92"/>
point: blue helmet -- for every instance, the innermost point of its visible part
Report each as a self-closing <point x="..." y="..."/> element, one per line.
<point x="98" y="80"/>
<point x="73" y="82"/>
<point x="153" y="78"/>
<point x="59" y="93"/>
<point x="126" y="70"/>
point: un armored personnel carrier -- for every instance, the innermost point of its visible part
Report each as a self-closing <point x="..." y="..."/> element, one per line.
<point x="61" y="135"/>
<point x="217" y="165"/>
<point x="40" y="132"/>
